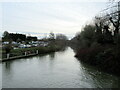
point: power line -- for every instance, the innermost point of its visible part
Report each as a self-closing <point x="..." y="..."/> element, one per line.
<point x="105" y="13"/>
<point x="108" y="8"/>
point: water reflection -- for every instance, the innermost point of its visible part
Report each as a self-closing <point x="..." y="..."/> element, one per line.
<point x="0" y="75"/>
<point x="100" y="79"/>
<point x="63" y="50"/>
<point x="54" y="70"/>
<point x="8" y="67"/>
<point x="52" y="56"/>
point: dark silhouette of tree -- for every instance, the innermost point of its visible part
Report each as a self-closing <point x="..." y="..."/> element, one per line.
<point x="116" y="25"/>
<point x="108" y="38"/>
<point x="61" y="37"/>
<point x="51" y="36"/>
<point x="6" y="36"/>
<point x="17" y="36"/>
<point x="98" y="32"/>
<point x="30" y="38"/>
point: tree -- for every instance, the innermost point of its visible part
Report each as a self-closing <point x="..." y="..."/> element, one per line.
<point x="18" y="40"/>
<point x="61" y="40"/>
<point x="15" y="36"/>
<point x="51" y="36"/>
<point x="61" y="37"/>
<point x="7" y="48"/>
<point x="6" y="36"/>
<point x="116" y="25"/>
<point x="87" y="36"/>
<point x="114" y="17"/>
<point x="108" y="38"/>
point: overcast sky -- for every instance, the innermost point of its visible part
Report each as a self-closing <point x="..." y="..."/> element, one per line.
<point x="39" y="18"/>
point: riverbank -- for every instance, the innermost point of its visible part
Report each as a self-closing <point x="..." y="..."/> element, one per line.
<point x="54" y="70"/>
<point x="28" y="52"/>
<point x="97" y="46"/>
<point x="18" y="57"/>
<point x="105" y="58"/>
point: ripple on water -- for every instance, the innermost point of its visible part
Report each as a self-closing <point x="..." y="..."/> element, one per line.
<point x="56" y="70"/>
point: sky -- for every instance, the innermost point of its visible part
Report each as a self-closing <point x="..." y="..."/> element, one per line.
<point x="39" y="18"/>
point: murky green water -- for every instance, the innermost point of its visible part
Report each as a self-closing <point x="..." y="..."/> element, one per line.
<point x="55" y="70"/>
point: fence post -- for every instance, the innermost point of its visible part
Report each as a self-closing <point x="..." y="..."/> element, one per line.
<point x="37" y="51"/>
<point x="25" y="53"/>
<point x="8" y="55"/>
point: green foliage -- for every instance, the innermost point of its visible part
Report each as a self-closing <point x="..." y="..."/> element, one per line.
<point x="7" y="48"/>
<point x="6" y="36"/>
<point x="95" y="45"/>
<point x="51" y="36"/>
<point x="88" y="32"/>
<point x="41" y="50"/>
<point x="117" y="39"/>
<point x="87" y="36"/>
<point x="99" y="48"/>
<point x="61" y="37"/>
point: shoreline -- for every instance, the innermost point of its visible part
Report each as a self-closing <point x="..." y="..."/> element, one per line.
<point x="18" y="57"/>
<point x="29" y="55"/>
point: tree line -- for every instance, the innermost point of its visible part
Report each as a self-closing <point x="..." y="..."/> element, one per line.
<point x="17" y="37"/>
<point x="99" y="43"/>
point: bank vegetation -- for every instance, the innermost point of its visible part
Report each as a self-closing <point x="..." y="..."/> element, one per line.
<point x="99" y="43"/>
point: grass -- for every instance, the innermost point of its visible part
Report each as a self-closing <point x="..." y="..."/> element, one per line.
<point x="32" y="50"/>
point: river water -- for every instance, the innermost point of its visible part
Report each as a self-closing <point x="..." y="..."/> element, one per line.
<point x="55" y="70"/>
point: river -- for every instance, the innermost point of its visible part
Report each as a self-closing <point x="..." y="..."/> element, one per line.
<point x="55" y="70"/>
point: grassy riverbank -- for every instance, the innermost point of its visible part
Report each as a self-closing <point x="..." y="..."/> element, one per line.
<point x="12" y="48"/>
<point x="32" y="50"/>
